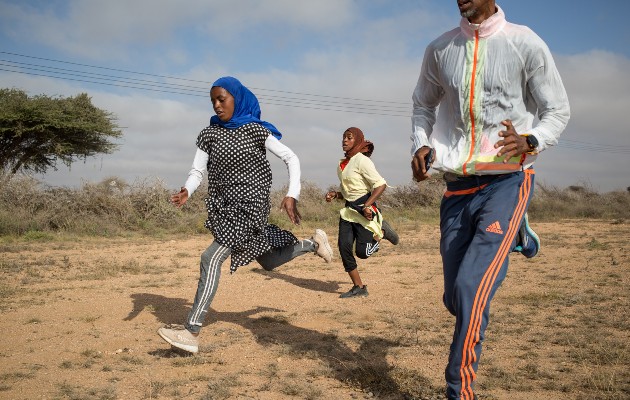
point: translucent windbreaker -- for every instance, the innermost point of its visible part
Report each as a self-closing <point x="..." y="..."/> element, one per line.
<point x="480" y="75"/>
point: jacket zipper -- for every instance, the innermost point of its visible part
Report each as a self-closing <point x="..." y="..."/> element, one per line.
<point x="471" y="105"/>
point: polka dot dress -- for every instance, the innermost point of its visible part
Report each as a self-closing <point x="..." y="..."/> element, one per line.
<point x="239" y="182"/>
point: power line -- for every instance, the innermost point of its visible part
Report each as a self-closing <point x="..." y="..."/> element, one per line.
<point x="65" y="71"/>
<point x="594" y="147"/>
<point x="206" y="83"/>
<point x="166" y="87"/>
<point x="263" y="99"/>
<point x="295" y="99"/>
<point x="579" y="143"/>
<point x="194" y="90"/>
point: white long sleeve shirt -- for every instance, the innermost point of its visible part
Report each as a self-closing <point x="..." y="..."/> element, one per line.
<point x="480" y="75"/>
<point x="272" y="144"/>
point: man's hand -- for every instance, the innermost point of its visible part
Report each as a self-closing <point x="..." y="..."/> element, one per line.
<point x="289" y="204"/>
<point x="418" y="168"/>
<point x="179" y="199"/>
<point x="512" y="144"/>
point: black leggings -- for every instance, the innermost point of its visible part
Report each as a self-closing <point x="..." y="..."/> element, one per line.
<point x="354" y="234"/>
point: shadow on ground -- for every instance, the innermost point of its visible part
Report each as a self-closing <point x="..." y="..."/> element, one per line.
<point x="366" y="367"/>
<point x="165" y="309"/>
<point x="310" y="284"/>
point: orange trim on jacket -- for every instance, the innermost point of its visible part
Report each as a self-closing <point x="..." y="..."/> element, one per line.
<point x="471" y="105"/>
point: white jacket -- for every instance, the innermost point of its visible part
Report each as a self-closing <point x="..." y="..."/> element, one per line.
<point x="480" y="75"/>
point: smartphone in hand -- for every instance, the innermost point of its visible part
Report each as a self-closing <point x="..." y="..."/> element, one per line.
<point x="429" y="158"/>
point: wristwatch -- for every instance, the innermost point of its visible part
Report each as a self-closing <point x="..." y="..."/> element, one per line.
<point x="532" y="143"/>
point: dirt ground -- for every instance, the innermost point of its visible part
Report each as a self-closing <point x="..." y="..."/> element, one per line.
<point x="79" y="319"/>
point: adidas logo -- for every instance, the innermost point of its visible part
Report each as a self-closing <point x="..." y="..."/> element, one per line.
<point x="495" y="227"/>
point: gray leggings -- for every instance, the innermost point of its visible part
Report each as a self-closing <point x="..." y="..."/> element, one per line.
<point x="210" y="272"/>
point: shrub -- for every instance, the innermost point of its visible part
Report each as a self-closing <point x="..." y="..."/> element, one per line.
<point x="115" y="207"/>
<point x="110" y="207"/>
<point x="550" y="203"/>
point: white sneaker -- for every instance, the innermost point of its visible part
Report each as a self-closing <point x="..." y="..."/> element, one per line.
<point x="180" y="338"/>
<point x="323" y="247"/>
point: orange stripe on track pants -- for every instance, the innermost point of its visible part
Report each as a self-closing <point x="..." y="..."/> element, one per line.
<point x="478" y="231"/>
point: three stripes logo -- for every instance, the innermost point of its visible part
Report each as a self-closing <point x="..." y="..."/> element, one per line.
<point x="495" y="227"/>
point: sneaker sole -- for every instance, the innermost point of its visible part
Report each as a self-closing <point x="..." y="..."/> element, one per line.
<point x="346" y="295"/>
<point x="534" y="237"/>
<point x="185" y="347"/>
<point x="393" y="240"/>
<point x="353" y="297"/>
<point x="326" y="244"/>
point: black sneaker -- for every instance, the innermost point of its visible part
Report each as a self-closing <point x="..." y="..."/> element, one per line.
<point x="389" y="233"/>
<point x="356" y="291"/>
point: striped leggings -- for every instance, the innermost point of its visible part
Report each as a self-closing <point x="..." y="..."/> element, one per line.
<point x="210" y="272"/>
<point x="354" y="235"/>
<point x="479" y="220"/>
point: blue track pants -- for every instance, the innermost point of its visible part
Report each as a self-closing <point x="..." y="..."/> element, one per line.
<point x="479" y="220"/>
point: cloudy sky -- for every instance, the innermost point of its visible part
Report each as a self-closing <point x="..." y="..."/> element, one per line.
<point x="317" y="67"/>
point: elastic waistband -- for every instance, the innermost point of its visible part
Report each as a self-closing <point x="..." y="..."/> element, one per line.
<point x="470" y="184"/>
<point x="461" y="181"/>
<point x="460" y="185"/>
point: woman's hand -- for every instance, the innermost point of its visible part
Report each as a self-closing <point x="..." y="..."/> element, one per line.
<point x="179" y="199"/>
<point x="289" y="204"/>
<point x="368" y="213"/>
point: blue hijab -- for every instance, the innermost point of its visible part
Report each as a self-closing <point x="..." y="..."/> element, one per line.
<point x="246" y="107"/>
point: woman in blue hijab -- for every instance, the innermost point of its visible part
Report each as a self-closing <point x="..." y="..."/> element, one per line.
<point x="233" y="151"/>
<point x="246" y="107"/>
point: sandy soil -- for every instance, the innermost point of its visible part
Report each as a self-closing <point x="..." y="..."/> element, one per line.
<point x="79" y="320"/>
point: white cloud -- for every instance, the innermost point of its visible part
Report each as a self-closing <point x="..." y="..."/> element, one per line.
<point x="105" y="29"/>
<point x="595" y="147"/>
<point x="347" y="56"/>
<point x="599" y="91"/>
<point x="227" y="17"/>
<point x="160" y="134"/>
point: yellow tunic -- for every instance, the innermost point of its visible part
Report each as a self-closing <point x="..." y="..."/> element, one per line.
<point x="358" y="178"/>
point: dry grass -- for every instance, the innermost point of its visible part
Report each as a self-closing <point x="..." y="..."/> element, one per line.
<point x="109" y="208"/>
<point x="579" y="201"/>
<point x="558" y="326"/>
<point x="115" y="208"/>
<point x="110" y="263"/>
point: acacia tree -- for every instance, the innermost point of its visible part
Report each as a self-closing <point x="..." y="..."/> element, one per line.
<point x="37" y="132"/>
